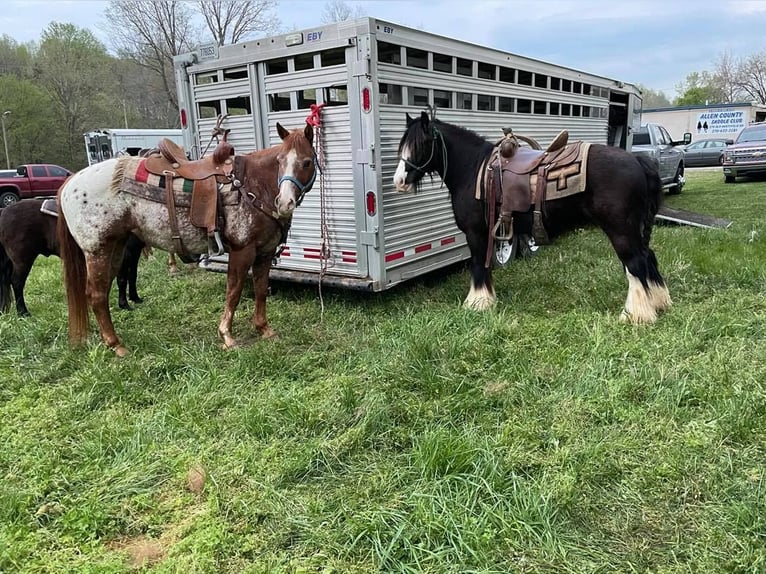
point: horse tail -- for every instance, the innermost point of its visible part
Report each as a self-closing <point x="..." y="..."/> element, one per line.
<point x="653" y="195"/>
<point x="6" y="270"/>
<point x="75" y="278"/>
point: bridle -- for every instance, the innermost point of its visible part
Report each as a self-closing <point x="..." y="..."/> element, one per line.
<point x="421" y="170"/>
<point x="302" y="188"/>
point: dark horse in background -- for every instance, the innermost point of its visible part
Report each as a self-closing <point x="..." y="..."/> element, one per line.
<point x="25" y="233"/>
<point x="97" y="215"/>
<point x="622" y="195"/>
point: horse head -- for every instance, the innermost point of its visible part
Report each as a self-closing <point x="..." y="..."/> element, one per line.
<point x="417" y="152"/>
<point x="297" y="168"/>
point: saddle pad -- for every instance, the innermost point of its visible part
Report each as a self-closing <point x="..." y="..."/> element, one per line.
<point x="130" y="176"/>
<point x="567" y="178"/>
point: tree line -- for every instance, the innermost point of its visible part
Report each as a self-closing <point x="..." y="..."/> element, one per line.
<point x="69" y="83"/>
<point x="732" y="79"/>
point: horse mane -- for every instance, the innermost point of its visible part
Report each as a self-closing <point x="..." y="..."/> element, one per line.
<point x="474" y="148"/>
<point x="469" y="148"/>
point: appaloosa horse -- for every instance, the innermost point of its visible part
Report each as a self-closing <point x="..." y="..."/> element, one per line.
<point x="622" y="193"/>
<point x="26" y="232"/>
<point x="100" y="206"/>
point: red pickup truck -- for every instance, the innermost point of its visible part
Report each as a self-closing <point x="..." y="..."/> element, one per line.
<point x="31" y="180"/>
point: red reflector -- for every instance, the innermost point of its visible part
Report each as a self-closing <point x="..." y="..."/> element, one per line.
<point x="366" y="99"/>
<point x="183" y="118"/>
<point x="371" y="207"/>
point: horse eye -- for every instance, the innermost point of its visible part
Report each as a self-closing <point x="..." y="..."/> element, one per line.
<point x="306" y="163"/>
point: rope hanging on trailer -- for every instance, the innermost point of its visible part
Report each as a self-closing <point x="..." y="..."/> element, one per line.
<point x="315" y="119"/>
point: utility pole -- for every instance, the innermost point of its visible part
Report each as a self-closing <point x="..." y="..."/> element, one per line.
<point x="6" y="113"/>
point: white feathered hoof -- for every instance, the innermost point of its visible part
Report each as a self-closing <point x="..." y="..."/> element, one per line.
<point x="480" y="299"/>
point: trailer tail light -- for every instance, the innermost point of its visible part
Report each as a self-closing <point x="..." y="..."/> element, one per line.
<point x="183" y="118"/>
<point x="371" y="203"/>
<point x="366" y="100"/>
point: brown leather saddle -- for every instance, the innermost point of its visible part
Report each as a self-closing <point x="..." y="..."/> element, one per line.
<point x="519" y="177"/>
<point x="169" y="161"/>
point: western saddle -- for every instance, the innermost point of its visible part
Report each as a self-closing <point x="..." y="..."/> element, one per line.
<point x="169" y="160"/>
<point x="517" y="178"/>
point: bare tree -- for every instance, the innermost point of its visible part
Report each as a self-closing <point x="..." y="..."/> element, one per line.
<point x="725" y="77"/>
<point x="151" y="32"/>
<point x="751" y="77"/>
<point x="338" y="11"/>
<point x="233" y="20"/>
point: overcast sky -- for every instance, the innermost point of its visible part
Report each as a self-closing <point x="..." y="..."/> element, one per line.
<point x="651" y="42"/>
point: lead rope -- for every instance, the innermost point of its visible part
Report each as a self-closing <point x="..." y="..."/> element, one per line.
<point x="315" y="119"/>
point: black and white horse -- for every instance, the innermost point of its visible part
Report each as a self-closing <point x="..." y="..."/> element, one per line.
<point x="622" y="195"/>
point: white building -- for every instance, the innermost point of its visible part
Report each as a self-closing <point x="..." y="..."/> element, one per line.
<point x="706" y="121"/>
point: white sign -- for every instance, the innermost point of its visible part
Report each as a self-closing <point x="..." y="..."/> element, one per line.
<point x="720" y="122"/>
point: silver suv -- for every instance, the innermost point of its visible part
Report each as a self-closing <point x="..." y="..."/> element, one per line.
<point x="747" y="155"/>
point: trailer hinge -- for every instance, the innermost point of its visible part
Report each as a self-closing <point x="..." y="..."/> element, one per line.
<point x="369" y="238"/>
<point x="361" y="68"/>
<point x="366" y="156"/>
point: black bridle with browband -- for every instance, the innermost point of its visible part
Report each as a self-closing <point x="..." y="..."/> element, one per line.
<point x="421" y="170"/>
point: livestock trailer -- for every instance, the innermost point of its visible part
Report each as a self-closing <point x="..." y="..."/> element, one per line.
<point x="107" y="143"/>
<point x="368" y="73"/>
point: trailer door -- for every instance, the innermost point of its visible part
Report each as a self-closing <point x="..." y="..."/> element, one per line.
<point x="330" y="212"/>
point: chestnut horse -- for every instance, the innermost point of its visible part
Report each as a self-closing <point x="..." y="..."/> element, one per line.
<point x="622" y="195"/>
<point x="96" y="217"/>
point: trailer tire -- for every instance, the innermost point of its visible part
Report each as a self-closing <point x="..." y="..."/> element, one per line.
<point x="729" y="179"/>
<point x="504" y="252"/>
<point x="8" y="198"/>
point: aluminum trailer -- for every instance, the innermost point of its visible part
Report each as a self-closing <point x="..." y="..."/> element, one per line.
<point x="368" y="73"/>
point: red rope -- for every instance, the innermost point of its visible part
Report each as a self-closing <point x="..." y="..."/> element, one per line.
<point x="315" y="118"/>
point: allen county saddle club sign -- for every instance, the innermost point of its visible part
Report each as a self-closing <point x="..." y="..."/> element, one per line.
<point x="720" y="121"/>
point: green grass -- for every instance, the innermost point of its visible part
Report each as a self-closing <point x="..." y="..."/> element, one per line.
<point x="400" y="432"/>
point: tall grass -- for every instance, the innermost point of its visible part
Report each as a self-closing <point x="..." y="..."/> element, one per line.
<point x="402" y="433"/>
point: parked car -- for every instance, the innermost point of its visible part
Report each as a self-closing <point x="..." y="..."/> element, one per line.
<point x="32" y="180"/>
<point x="704" y="153"/>
<point x="654" y="141"/>
<point x="747" y="155"/>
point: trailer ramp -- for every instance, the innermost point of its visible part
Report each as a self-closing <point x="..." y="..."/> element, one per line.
<point x="683" y="217"/>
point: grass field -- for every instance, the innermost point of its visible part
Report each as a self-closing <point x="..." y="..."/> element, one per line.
<point x="399" y="432"/>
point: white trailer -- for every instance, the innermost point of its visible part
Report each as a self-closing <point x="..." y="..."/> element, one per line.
<point x="107" y="143"/>
<point x="368" y="73"/>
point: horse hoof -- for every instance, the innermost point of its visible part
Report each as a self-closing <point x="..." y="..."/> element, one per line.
<point x="120" y="351"/>
<point x="229" y="343"/>
<point x="269" y="333"/>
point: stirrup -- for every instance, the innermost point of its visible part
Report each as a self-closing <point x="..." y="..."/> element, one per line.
<point x="214" y="245"/>
<point x="507" y="233"/>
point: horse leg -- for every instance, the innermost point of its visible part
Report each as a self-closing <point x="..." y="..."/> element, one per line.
<point x="658" y="290"/>
<point x="122" y="289"/>
<point x="239" y="263"/>
<point x="646" y="290"/>
<point x="126" y="278"/>
<point x="261" y="289"/>
<point x="99" y="281"/>
<point x="481" y="296"/>
<point x="18" y="281"/>
<point x="172" y="266"/>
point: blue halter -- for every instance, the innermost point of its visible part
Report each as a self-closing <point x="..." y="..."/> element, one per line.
<point x="303" y="189"/>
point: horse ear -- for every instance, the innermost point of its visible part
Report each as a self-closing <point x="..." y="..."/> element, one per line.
<point x="308" y="131"/>
<point x="283" y="133"/>
<point x="410" y="119"/>
<point x="424" y="119"/>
